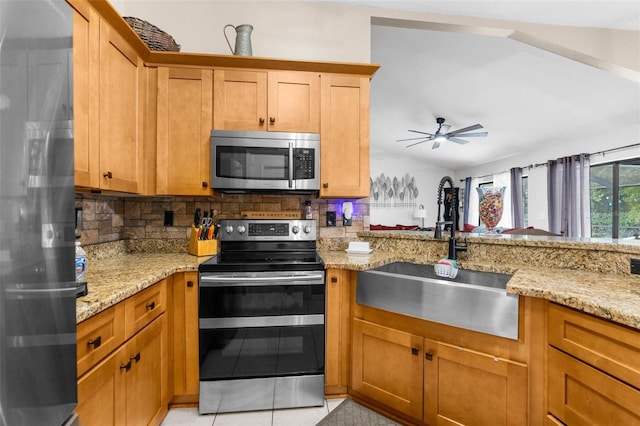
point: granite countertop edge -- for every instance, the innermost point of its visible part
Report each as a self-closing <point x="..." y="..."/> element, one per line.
<point x="612" y="297"/>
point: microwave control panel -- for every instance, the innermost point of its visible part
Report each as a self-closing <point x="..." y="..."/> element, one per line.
<point x="303" y="159"/>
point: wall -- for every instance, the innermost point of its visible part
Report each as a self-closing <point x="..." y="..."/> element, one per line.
<point x="320" y="31"/>
<point x="426" y="181"/>
<point x="329" y="32"/>
<point x="108" y="218"/>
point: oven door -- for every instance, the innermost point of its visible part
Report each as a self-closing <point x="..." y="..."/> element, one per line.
<point x="258" y="325"/>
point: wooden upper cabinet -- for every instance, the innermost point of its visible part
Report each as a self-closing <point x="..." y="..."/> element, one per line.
<point x="279" y="101"/>
<point x="344" y="137"/>
<point x="121" y="86"/>
<point x="184" y="122"/>
<point x="86" y="67"/>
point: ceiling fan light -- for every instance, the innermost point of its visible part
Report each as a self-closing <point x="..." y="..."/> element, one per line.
<point x="440" y="138"/>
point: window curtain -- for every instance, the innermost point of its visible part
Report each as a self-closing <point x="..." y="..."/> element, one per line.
<point x="517" y="197"/>
<point x="569" y="206"/>
<point x="467" y="194"/>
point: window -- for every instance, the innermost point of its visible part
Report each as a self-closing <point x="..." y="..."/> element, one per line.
<point x="615" y="199"/>
<point x="525" y="199"/>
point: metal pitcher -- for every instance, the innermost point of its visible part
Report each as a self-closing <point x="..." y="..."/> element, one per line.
<point x="243" y="39"/>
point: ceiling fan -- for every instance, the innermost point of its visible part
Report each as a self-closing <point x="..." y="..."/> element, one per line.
<point x="442" y="134"/>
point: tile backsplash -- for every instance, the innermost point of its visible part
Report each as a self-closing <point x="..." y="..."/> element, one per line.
<point x="107" y="218"/>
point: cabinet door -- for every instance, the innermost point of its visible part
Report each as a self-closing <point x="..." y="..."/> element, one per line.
<point x="185" y="114"/>
<point x="102" y="394"/>
<point x="578" y="394"/>
<point x="387" y="367"/>
<point x="344" y="137"/>
<point x="121" y="81"/>
<point x="98" y="336"/>
<point x="240" y="100"/>
<point x="86" y="67"/>
<point x="144" y="378"/>
<point x="338" y="326"/>
<point x="49" y="68"/>
<point x="185" y="338"/>
<point x="293" y="102"/>
<point x="466" y="387"/>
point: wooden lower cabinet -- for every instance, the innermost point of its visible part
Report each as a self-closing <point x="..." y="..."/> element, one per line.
<point x="125" y="388"/>
<point x="593" y="369"/>
<point x="338" y="335"/>
<point x="387" y="367"/>
<point x="186" y="369"/>
<point x="463" y="386"/>
<point x="430" y="382"/>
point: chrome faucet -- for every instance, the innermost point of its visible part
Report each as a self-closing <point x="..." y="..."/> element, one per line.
<point x="453" y="247"/>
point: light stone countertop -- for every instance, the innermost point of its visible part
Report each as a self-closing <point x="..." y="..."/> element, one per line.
<point x="113" y="279"/>
<point x="612" y="297"/>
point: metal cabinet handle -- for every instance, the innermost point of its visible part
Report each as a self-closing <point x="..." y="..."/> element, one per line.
<point x="415" y="351"/>
<point x="108" y="175"/>
<point x="429" y="356"/>
<point x="272" y="120"/>
<point x="334" y="279"/>
<point x="150" y="306"/>
<point x="189" y="283"/>
<point x="126" y="366"/>
<point x="205" y="184"/>
<point x="135" y="358"/>
<point x="95" y="342"/>
<point x="261" y="120"/>
<point x="325" y="185"/>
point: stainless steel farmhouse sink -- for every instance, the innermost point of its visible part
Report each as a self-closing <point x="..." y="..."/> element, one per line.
<point x="473" y="300"/>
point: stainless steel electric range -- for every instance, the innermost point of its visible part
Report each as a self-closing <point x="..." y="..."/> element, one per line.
<point x="261" y="313"/>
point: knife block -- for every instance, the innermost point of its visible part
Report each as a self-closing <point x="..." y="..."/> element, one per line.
<point x="201" y="247"/>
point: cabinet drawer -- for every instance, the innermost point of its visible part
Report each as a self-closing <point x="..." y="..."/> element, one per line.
<point x="144" y="307"/>
<point x="581" y="395"/>
<point x="609" y="347"/>
<point x="98" y="336"/>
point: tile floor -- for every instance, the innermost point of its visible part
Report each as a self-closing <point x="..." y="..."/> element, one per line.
<point x="290" y="417"/>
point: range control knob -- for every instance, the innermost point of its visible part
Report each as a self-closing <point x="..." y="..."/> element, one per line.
<point x="307" y="229"/>
<point x="228" y="229"/>
<point x="241" y="229"/>
<point x="295" y="229"/>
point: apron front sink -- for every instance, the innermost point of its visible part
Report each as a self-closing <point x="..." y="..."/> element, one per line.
<point x="474" y="300"/>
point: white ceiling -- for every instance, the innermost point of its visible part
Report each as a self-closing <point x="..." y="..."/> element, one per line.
<point x="525" y="97"/>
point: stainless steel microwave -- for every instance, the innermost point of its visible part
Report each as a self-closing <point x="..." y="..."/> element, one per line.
<point x="243" y="161"/>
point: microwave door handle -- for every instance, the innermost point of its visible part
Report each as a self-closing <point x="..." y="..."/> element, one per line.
<point x="290" y="165"/>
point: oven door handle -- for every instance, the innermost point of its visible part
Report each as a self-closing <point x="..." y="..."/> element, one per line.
<point x="214" y="280"/>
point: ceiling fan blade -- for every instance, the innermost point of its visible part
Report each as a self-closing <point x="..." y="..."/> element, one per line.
<point x="423" y="133"/>
<point x="435" y="145"/>
<point x="414" y="139"/>
<point x="418" y="143"/>
<point x="473" y="135"/>
<point x="465" y="129"/>
<point x="460" y="141"/>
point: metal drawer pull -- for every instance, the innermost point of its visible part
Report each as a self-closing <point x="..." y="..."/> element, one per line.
<point x="189" y="283"/>
<point x="135" y="358"/>
<point x="415" y="351"/>
<point x="150" y="306"/>
<point x="108" y="175"/>
<point x="429" y="356"/>
<point x="126" y="366"/>
<point x="95" y="342"/>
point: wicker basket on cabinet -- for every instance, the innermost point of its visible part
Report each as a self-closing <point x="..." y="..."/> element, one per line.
<point x="152" y="36"/>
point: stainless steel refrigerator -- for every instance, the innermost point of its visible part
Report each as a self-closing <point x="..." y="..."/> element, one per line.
<point x="37" y="272"/>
